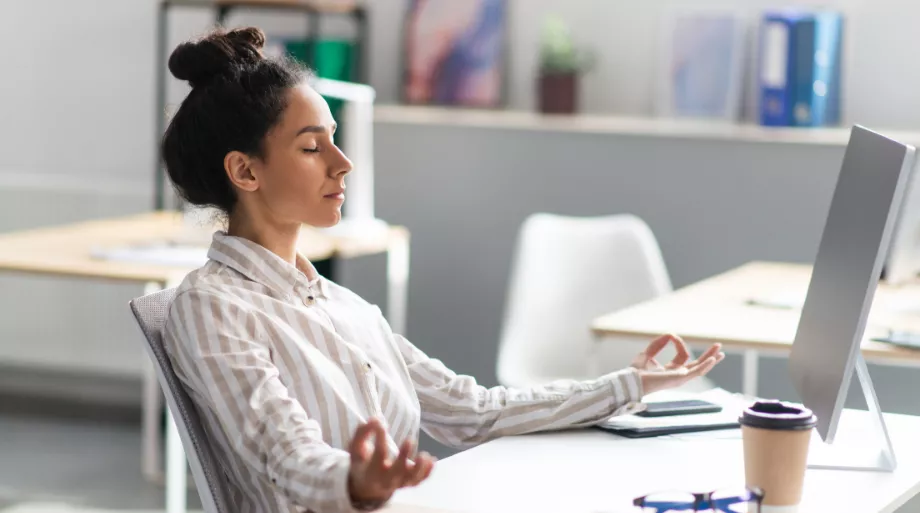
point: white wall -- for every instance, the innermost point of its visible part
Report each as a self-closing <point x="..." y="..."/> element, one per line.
<point x="76" y="94"/>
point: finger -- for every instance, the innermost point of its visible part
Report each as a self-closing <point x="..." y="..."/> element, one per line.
<point x="712" y="351"/>
<point x="358" y="446"/>
<point x="402" y="468"/>
<point x="683" y="352"/>
<point x="378" y="460"/>
<point x="703" y="368"/>
<point x="423" y="465"/>
<point x="717" y="355"/>
<point x="641" y="361"/>
<point x="655" y="347"/>
<point x="655" y="364"/>
<point x="431" y="464"/>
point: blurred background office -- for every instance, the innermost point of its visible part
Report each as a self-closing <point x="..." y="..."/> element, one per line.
<point x="712" y="129"/>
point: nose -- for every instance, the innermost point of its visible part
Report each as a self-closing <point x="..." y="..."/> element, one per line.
<point x="340" y="164"/>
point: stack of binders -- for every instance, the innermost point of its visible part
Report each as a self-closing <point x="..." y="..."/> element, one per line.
<point x="800" y="68"/>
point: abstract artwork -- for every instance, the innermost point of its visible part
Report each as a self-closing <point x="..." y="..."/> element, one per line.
<point x="702" y="66"/>
<point x="455" y="52"/>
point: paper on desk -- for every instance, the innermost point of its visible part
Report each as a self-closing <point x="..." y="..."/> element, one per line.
<point x="732" y="406"/>
<point x="159" y="253"/>
<point x="698" y="419"/>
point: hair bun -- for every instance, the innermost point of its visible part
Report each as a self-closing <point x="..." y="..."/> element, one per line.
<point x="216" y="54"/>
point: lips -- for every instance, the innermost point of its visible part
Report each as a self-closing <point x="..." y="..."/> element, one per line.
<point x="340" y="194"/>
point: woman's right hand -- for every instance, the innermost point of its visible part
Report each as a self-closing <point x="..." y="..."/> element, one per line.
<point x="373" y="477"/>
<point x="656" y="377"/>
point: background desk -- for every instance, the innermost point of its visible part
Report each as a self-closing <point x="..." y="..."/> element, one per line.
<point x="589" y="471"/>
<point x="68" y="251"/>
<point x="717" y="310"/>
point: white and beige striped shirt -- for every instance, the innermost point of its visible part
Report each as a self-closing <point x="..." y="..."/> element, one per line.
<point x="283" y="370"/>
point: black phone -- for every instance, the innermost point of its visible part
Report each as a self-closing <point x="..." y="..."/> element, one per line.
<point x="684" y="407"/>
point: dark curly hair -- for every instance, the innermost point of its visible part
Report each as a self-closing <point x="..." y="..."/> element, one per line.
<point x="237" y="97"/>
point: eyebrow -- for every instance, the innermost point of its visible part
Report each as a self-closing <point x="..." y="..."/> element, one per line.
<point x="314" y="129"/>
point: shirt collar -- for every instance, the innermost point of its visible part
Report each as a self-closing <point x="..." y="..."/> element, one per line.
<point x="262" y="266"/>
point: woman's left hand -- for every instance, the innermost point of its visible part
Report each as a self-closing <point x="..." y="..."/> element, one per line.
<point x="680" y="370"/>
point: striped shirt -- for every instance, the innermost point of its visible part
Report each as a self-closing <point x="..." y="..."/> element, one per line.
<point x="283" y="368"/>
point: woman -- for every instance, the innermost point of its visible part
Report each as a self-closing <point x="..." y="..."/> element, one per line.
<point x="309" y="401"/>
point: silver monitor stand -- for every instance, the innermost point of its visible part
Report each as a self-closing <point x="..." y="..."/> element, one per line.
<point x="871" y="451"/>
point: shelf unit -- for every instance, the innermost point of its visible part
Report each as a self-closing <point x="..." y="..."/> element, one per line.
<point x="611" y="124"/>
<point x="315" y="10"/>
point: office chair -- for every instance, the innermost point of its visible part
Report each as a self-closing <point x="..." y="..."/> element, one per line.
<point x="566" y="272"/>
<point x="150" y="312"/>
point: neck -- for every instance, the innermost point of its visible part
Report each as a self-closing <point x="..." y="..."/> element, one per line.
<point x="280" y="239"/>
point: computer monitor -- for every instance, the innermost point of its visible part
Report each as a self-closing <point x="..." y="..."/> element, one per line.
<point x="902" y="264"/>
<point x="857" y="233"/>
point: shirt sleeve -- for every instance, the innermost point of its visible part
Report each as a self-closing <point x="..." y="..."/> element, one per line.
<point x="218" y="349"/>
<point x="459" y="412"/>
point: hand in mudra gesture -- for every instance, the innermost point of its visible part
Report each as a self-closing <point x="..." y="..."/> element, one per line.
<point x="679" y="370"/>
<point x="373" y="476"/>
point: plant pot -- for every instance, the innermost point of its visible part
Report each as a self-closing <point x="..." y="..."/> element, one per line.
<point x="558" y="93"/>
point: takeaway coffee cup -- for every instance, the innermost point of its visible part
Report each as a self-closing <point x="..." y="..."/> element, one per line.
<point x="776" y="436"/>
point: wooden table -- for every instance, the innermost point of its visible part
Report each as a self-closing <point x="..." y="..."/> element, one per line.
<point x="74" y="250"/>
<point x="729" y="308"/>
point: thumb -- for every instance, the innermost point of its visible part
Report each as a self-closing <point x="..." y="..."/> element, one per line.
<point x="642" y="359"/>
<point x="358" y="446"/>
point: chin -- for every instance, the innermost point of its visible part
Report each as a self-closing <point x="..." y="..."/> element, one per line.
<point x="326" y="222"/>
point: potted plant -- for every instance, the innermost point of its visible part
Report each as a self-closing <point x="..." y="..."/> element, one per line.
<point x="561" y="65"/>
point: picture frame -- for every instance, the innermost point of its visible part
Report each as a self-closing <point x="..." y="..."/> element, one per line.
<point x="455" y="53"/>
<point x="700" y="64"/>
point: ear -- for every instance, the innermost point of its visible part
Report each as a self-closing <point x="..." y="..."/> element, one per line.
<point x="239" y="168"/>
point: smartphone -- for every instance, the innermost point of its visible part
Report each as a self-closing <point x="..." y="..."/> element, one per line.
<point x="685" y="407"/>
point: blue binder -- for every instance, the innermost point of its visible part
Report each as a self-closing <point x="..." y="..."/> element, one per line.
<point x="778" y="47"/>
<point x="799" y="68"/>
<point x="825" y="92"/>
<point x="803" y="71"/>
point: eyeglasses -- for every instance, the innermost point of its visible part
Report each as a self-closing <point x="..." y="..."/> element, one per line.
<point x="738" y="500"/>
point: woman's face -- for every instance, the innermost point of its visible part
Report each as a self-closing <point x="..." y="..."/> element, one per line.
<point x="302" y="176"/>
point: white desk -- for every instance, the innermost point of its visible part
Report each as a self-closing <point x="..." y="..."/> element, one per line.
<point x="589" y="471"/>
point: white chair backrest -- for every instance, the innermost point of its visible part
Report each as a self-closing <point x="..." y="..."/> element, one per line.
<point x="566" y="272"/>
<point x="150" y="312"/>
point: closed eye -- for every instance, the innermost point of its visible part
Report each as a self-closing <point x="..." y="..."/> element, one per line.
<point x="311" y="150"/>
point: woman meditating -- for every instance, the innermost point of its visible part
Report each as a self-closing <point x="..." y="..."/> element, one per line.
<point x="309" y="400"/>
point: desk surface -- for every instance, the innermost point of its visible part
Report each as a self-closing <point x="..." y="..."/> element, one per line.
<point x="716" y="310"/>
<point x="590" y="471"/>
<point x="68" y="250"/>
